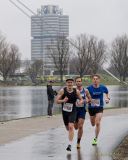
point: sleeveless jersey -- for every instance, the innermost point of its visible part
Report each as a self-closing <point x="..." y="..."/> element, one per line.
<point x="72" y="97"/>
<point x="83" y="94"/>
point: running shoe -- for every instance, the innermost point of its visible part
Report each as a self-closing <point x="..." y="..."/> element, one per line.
<point x="68" y="148"/>
<point x="94" y="142"/>
<point x="78" y="146"/>
<point x="49" y="116"/>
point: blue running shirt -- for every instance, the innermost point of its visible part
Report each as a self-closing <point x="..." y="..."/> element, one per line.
<point x="97" y="95"/>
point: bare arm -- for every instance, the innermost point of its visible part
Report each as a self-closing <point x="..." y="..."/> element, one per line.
<point x="81" y="101"/>
<point x="88" y="100"/>
<point x="107" y="97"/>
<point x="59" y="99"/>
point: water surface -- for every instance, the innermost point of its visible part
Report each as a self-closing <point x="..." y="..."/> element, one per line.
<point x="21" y="102"/>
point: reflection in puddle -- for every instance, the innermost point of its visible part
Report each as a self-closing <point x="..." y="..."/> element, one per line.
<point x="79" y="155"/>
<point x="97" y="153"/>
<point x="69" y="156"/>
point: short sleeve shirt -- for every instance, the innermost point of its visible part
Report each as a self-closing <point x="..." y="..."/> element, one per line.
<point x="97" y="95"/>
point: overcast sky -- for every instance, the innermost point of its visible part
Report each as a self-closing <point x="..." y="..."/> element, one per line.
<point x="103" y="18"/>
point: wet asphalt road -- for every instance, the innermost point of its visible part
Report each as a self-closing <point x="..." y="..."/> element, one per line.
<point x="51" y="145"/>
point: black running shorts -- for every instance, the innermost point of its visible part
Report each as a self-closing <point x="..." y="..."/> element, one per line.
<point x="94" y="111"/>
<point x="69" y="117"/>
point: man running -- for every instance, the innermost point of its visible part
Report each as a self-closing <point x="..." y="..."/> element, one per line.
<point x="68" y="97"/>
<point x="95" y="109"/>
<point x="81" y="110"/>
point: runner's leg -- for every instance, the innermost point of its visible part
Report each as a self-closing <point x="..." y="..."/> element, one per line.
<point x="80" y="129"/>
<point x="92" y="120"/>
<point x="97" y="122"/>
<point x="71" y="131"/>
<point x="70" y="135"/>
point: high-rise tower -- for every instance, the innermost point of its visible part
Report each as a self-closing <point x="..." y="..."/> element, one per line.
<point x="46" y="27"/>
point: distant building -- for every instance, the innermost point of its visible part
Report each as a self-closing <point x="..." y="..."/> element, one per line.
<point x="46" y="26"/>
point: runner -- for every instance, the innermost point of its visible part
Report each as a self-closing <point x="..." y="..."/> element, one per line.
<point x="68" y="97"/>
<point x="96" y="91"/>
<point x="81" y="110"/>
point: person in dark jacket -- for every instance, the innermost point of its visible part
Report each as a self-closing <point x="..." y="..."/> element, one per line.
<point x="51" y="94"/>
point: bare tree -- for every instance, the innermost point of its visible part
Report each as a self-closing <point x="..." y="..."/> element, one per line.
<point x="90" y="54"/>
<point x="27" y="65"/>
<point x="119" y="53"/>
<point x="60" y="55"/>
<point x="14" y="59"/>
<point x="72" y="65"/>
<point x="82" y="55"/>
<point x="97" y="50"/>
<point x="35" y="69"/>
<point x="9" y="58"/>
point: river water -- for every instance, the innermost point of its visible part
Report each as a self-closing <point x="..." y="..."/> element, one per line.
<point x="21" y="102"/>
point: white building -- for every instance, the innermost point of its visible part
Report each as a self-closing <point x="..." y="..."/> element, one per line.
<point x="46" y="26"/>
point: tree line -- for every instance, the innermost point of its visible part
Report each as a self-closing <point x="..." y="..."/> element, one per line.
<point x="9" y="58"/>
<point x="85" y="54"/>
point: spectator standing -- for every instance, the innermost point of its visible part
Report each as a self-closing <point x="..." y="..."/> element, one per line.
<point x="51" y="95"/>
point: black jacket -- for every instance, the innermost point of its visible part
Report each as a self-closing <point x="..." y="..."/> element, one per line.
<point x="50" y="92"/>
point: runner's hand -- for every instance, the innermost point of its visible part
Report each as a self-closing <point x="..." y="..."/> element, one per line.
<point x="65" y="99"/>
<point x="79" y="103"/>
<point x="87" y="101"/>
<point x="107" y="100"/>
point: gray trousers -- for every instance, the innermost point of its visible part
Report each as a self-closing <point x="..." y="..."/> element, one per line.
<point x="50" y="107"/>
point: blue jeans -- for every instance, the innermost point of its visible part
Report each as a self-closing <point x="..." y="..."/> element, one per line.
<point x="50" y="107"/>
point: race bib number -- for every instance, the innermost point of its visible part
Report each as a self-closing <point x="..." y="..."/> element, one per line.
<point x="82" y="105"/>
<point x="68" y="107"/>
<point x="95" y="102"/>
